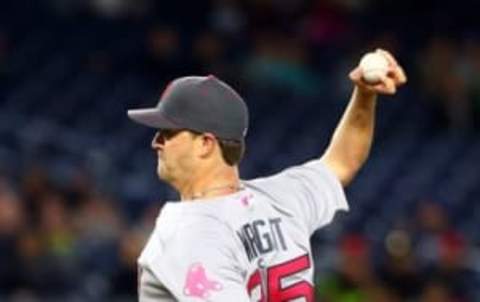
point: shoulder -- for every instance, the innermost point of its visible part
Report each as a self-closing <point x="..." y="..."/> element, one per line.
<point x="310" y="169"/>
<point x="293" y="182"/>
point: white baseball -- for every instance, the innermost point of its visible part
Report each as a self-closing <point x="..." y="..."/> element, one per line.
<point x="374" y="67"/>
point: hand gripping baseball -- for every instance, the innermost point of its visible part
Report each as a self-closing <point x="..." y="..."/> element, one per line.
<point x="378" y="72"/>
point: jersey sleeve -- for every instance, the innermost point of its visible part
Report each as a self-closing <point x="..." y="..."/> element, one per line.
<point x="196" y="265"/>
<point x="311" y="191"/>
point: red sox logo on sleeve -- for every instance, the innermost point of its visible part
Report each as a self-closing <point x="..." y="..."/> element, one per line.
<point x="197" y="284"/>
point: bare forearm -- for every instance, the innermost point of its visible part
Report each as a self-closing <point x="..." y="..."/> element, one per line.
<point x="351" y="142"/>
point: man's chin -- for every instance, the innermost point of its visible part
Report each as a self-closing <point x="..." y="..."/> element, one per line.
<point x="163" y="176"/>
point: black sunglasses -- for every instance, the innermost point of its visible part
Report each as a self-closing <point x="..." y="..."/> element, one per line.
<point x="165" y="134"/>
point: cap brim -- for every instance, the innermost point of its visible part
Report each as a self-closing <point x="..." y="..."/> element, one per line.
<point x="151" y="117"/>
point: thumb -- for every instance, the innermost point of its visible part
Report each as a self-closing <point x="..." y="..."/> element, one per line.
<point x="356" y="75"/>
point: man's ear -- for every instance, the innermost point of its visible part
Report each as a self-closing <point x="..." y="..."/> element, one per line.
<point x="207" y="144"/>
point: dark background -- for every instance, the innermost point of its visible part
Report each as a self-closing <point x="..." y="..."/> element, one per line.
<point x="78" y="190"/>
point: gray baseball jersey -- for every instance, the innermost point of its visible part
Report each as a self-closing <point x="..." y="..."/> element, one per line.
<point x="253" y="245"/>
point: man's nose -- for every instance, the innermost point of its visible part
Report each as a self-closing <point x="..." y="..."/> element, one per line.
<point x="157" y="141"/>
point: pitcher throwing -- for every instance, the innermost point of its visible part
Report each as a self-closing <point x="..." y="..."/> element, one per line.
<point x="230" y="239"/>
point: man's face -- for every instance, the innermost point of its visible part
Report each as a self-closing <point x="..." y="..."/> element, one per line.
<point x="174" y="150"/>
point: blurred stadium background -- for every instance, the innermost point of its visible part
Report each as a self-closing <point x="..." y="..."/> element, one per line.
<point x="78" y="191"/>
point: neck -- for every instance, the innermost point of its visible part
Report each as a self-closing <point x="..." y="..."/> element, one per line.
<point x="213" y="183"/>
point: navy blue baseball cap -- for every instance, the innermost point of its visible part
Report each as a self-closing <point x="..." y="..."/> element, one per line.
<point x="198" y="103"/>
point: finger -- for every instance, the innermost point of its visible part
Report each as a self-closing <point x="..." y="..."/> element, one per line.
<point x="356" y="74"/>
<point x="387" y="86"/>
<point x="398" y="75"/>
<point x="396" y="71"/>
<point x="401" y="76"/>
<point x="390" y="58"/>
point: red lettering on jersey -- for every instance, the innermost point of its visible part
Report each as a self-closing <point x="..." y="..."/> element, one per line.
<point x="275" y="274"/>
<point x="255" y="281"/>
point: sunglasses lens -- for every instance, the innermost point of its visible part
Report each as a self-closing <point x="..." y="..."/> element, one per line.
<point x="168" y="134"/>
<point x="165" y="134"/>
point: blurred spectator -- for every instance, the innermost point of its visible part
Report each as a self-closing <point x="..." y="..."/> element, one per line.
<point x="280" y="62"/>
<point x="436" y="292"/>
<point x="99" y="226"/>
<point x="11" y="211"/>
<point x="431" y="221"/>
<point x="354" y="277"/>
<point x="209" y="54"/>
<point x="444" y="85"/>
<point x="452" y="268"/>
<point x="12" y="222"/>
<point x="55" y="272"/>
<point x="228" y="17"/>
<point x="147" y="221"/>
<point x="327" y="23"/>
<point x="400" y="272"/>
<point x="124" y="280"/>
<point x="470" y="61"/>
<point x="164" y="52"/>
<point x="55" y="225"/>
<point x="31" y="250"/>
<point x="381" y="294"/>
<point x="35" y="185"/>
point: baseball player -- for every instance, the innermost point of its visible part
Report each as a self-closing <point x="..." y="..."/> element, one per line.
<point x="243" y="240"/>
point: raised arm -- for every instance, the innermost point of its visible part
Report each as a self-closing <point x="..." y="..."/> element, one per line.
<point x="352" y="139"/>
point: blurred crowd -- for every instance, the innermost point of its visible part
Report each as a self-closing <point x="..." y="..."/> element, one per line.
<point x="75" y="242"/>
<point x="67" y="243"/>
<point x="293" y="45"/>
<point x="301" y="47"/>
<point x="422" y="259"/>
